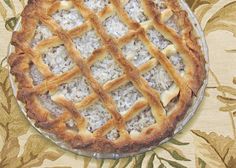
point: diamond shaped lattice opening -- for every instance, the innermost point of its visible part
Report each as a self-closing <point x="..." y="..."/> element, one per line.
<point x="115" y="26"/>
<point x="136" y="52"/>
<point x="96" y="116"/>
<point x="68" y="19"/>
<point x="96" y="5"/>
<point x="106" y="70"/>
<point x="75" y="90"/>
<point x="42" y="32"/>
<point x="135" y="11"/>
<point x="143" y="120"/>
<point x="87" y="43"/>
<point x="125" y="97"/>
<point x="58" y="60"/>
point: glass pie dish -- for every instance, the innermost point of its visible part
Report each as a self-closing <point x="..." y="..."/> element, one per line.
<point x="190" y="112"/>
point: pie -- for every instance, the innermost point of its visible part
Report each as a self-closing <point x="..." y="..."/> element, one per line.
<point x="107" y="75"/>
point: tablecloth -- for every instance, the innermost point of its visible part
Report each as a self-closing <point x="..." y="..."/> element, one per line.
<point x="207" y="141"/>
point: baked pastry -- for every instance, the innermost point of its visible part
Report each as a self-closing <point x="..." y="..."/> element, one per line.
<point x="107" y="75"/>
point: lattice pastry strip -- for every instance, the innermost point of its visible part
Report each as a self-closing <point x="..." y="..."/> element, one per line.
<point x="36" y="89"/>
<point x="146" y="41"/>
<point x="189" y="57"/>
<point x="107" y="86"/>
<point x="81" y="30"/>
<point x="80" y="137"/>
<point x="138" y="81"/>
<point x="105" y="98"/>
<point x="54" y="26"/>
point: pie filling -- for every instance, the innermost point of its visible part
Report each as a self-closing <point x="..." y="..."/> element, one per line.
<point x="136" y="52"/>
<point x="143" y="120"/>
<point x="58" y="60"/>
<point x="115" y="27"/>
<point x="125" y="97"/>
<point x="106" y="69"/>
<point x="41" y="33"/>
<point x="68" y="19"/>
<point x="96" y="5"/>
<point x="87" y="43"/>
<point x="135" y="11"/>
<point x="96" y="116"/>
<point x="75" y="90"/>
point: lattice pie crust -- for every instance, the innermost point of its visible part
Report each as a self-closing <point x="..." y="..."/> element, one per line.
<point x="107" y="76"/>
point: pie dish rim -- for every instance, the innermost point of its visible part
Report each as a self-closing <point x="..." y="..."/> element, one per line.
<point x="125" y="154"/>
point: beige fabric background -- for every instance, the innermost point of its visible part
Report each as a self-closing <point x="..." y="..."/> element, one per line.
<point x="210" y="135"/>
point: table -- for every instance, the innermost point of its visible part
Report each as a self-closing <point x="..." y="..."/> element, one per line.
<point x="208" y="140"/>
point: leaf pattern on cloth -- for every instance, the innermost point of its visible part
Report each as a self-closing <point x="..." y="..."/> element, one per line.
<point x="200" y="7"/>
<point x="223" y="19"/>
<point x="34" y="155"/>
<point x="10" y="4"/>
<point x="3" y="11"/>
<point x="12" y="121"/>
<point x="232" y="163"/>
<point x="200" y="163"/>
<point x="9" y="152"/>
<point x="174" y="152"/>
<point x="229" y="101"/>
<point x="213" y="149"/>
<point x="10" y="19"/>
<point x="11" y="23"/>
<point x="124" y="162"/>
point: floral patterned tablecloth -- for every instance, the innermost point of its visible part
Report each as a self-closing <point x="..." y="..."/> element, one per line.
<point x="207" y="141"/>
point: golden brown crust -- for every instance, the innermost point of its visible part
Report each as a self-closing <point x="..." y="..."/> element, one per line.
<point x="24" y="55"/>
